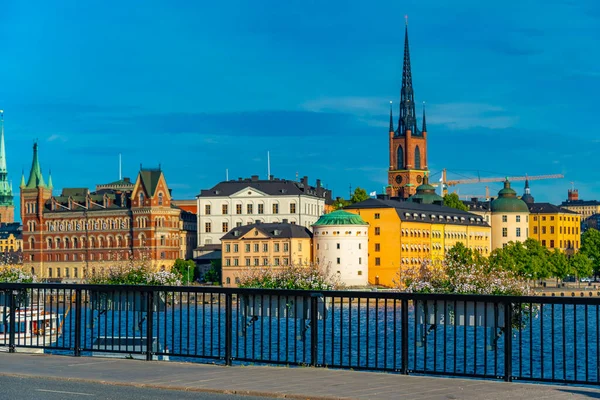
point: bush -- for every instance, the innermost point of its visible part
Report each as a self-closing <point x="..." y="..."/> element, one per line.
<point x="293" y="277"/>
<point x="12" y="274"/>
<point x="134" y="275"/>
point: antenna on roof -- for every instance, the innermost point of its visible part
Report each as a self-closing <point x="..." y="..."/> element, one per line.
<point x="119" y="166"/>
<point x="268" y="165"/>
<point x="226" y="174"/>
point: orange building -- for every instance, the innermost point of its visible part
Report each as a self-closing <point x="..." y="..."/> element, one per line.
<point x="407" y="144"/>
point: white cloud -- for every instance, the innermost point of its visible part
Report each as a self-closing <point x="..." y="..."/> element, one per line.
<point x="55" y="137"/>
<point x="351" y="105"/>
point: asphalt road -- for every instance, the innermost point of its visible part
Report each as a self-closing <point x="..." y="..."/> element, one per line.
<point x="50" y="389"/>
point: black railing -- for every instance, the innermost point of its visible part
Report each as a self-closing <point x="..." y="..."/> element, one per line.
<point x="553" y="339"/>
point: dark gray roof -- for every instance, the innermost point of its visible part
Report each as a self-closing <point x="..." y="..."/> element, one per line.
<point x="547" y="208"/>
<point x="274" y="230"/>
<point x="14" y="228"/>
<point x="274" y="187"/>
<point x="580" y="203"/>
<point x="417" y="212"/>
<point x="481" y="206"/>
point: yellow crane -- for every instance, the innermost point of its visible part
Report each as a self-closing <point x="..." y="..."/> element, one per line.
<point x="446" y="183"/>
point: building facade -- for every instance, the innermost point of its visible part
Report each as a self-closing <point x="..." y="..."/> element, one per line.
<point x="407" y="144"/>
<point x="7" y="206"/>
<point x="78" y="233"/>
<point x="232" y="204"/>
<point x="341" y="247"/>
<point x="585" y="208"/>
<point x="555" y="227"/>
<point x="406" y="234"/>
<point x="509" y="218"/>
<point x="263" y="245"/>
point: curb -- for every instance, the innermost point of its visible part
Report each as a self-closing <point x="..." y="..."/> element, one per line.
<point x="255" y="393"/>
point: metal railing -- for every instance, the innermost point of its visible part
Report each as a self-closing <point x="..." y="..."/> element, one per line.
<point x="554" y="339"/>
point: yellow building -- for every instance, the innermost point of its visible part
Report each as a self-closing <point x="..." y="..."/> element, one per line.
<point x="260" y="245"/>
<point x="11" y="237"/>
<point x="585" y="208"/>
<point x="404" y="234"/>
<point x="555" y="227"/>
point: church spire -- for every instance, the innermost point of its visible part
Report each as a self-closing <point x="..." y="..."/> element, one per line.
<point x="391" y="118"/>
<point x="424" y="129"/>
<point x="6" y="195"/>
<point x="2" y="149"/>
<point x="407" y="120"/>
<point x="35" y="175"/>
<point x="49" y="179"/>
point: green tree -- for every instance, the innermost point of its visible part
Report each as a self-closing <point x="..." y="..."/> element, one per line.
<point x="359" y="195"/>
<point x="590" y="246"/>
<point x="186" y="269"/>
<point x="452" y="200"/>
<point x="460" y="254"/>
<point x="213" y="275"/>
<point x="340" y="203"/>
<point x="528" y="259"/>
<point x="561" y="267"/>
<point x="582" y="265"/>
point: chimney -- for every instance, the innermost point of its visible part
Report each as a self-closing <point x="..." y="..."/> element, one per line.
<point x="474" y="199"/>
<point x="305" y="181"/>
<point x="285" y="220"/>
<point x="258" y="221"/>
<point x="254" y="178"/>
<point x="270" y="177"/>
<point x="240" y="179"/>
<point x="383" y="196"/>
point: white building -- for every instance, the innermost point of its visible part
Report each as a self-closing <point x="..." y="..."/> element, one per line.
<point x="240" y="202"/>
<point x="341" y="246"/>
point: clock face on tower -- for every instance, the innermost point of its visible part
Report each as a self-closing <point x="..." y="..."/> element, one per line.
<point x="398" y="179"/>
<point x="419" y="179"/>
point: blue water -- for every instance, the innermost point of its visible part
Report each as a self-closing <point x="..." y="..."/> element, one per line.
<point x="554" y="343"/>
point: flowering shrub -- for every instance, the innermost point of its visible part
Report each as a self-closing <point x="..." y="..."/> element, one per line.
<point x="134" y="275"/>
<point x="12" y="274"/>
<point x="293" y="277"/>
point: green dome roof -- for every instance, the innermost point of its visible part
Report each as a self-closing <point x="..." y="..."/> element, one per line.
<point x="508" y="201"/>
<point x="426" y="194"/>
<point x="340" y="217"/>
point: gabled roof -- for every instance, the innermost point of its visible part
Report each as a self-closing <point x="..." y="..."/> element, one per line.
<point x="547" y="208"/>
<point x="418" y="212"/>
<point x="150" y="179"/>
<point x="272" y="230"/>
<point x="274" y="187"/>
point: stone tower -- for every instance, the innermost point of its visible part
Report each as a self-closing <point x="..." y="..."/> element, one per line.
<point x="7" y="207"/>
<point x="407" y="144"/>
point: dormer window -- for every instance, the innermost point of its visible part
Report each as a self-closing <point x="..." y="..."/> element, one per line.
<point x="141" y="199"/>
<point x="160" y="199"/>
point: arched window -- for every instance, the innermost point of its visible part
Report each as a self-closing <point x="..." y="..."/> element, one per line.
<point x="400" y="159"/>
<point x="141" y="199"/>
<point x="160" y="199"/>
<point x="417" y="158"/>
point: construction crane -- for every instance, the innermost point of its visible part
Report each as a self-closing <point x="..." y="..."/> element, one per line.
<point x="446" y="183"/>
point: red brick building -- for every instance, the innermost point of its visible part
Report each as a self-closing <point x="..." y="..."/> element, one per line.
<point x="79" y="232"/>
<point x="407" y="144"/>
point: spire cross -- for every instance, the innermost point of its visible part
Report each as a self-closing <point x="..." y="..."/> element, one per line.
<point x="406" y="19"/>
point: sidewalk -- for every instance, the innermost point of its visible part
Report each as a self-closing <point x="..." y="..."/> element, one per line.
<point x="282" y="382"/>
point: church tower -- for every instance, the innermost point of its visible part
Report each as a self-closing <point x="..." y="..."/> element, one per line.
<point x="407" y="144"/>
<point x="7" y="206"/>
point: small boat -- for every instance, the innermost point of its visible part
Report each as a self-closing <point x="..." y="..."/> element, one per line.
<point x="126" y="347"/>
<point x="35" y="329"/>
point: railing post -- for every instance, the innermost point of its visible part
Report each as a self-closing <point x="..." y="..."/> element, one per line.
<point x="508" y="311"/>
<point x="314" y="337"/>
<point x="149" y="325"/>
<point x="78" y="303"/>
<point x="12" y="325"/>
<point x="228" y="327"/>
<point x="404" y="344"/>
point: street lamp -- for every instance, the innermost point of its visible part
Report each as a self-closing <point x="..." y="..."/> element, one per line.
<point x="188" y="274"/>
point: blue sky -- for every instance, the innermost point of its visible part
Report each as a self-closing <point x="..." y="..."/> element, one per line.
<point x="201" y="87"/>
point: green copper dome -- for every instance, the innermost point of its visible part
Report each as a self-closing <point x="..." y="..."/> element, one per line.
<point x="508" y="201"/>
<point x="340" y="217"/>
<point x="426" y="194"/>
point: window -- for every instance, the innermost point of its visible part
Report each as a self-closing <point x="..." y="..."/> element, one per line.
<point x="265" y="247"/>
<point x="276" y="247"/>
<point x="504" y="232"/>
<point x="293" y="208"/>
<point x="75" y="272"/>
<point x="247" y="248"/>
<point x="504" y="218"/>
<point x="377" y="216"/>
<point x="236" y="262"/>
<point x="377" y="230"/>
<point x="58" y="272"/>
<point x="359" y="263"/>
<point x="249" y="208"/>
<point x="360" y="246"/>
<point x="277" y="261"/>
<point x="543" y="243"/>
<point x="265" y="261"/>
<point x="224" y="209"/>
<point x="227" y="262"/>
<point x="225" y="227"/>
<point x="552" y="229"/>
<point x="141" y="199"/>
<point x="535" y="230"/>
<point x="543" y="218"/>
<point x="207" y="227"/>
<point x="238" y="224"/>
<point x="207" y="209"/>
<point x="518" y="218"/>
<point x="377" y="261"/>
<point x="275" y="208"/>
<point x="227" y="248"/>
<point x="256" y="262"/>
<point x="339" y="261"/>
<point x="552" y="218"/>
<point x="247" y="262"/>
<point x="163" y="241"/>
<point x="299" y="246"/>
<point x="163" y="255"/>
<point x="377" y="247"/>
<point x="256" y="247"/>
<point x="49" y="272"/>
<point x="337" y="246"/>
<point x="518" y="232"/>
<point x="552" y="244"/>
<point x="235" y="248"/>
<point x="238" y="209"/>
<point x="228" y="279"/>
<point x="286" y="247"/>
<point x="261" y="208"/>
<point x="285" y="261"/>
<point x="543" y="230"/>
